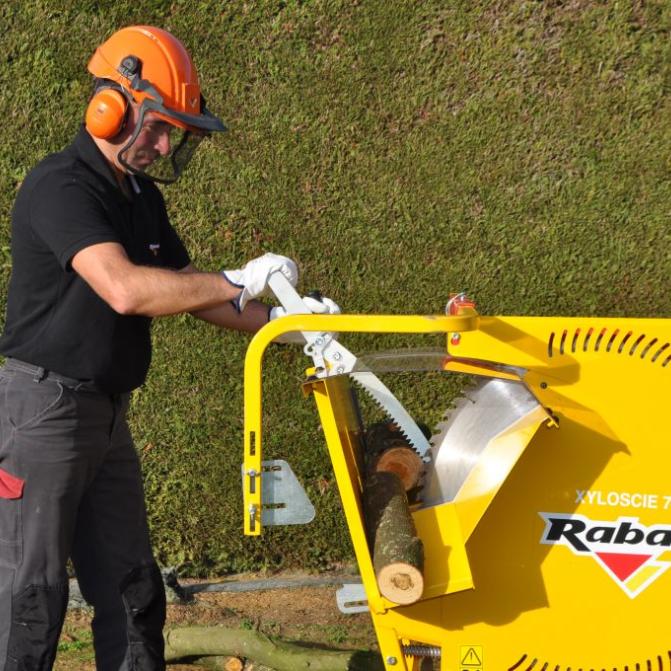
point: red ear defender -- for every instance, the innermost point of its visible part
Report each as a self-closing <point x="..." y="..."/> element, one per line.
<point x="106" y="113"/>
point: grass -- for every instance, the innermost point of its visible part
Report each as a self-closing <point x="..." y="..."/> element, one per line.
<point x="399" y="151"/>
<point x="75" y="649"/>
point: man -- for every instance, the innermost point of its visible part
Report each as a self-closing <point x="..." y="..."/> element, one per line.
<point x="94" y="259"/>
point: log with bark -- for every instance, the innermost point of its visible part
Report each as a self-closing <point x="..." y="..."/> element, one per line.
<point x="398" y="553"/>
<point x="211" y="646"/>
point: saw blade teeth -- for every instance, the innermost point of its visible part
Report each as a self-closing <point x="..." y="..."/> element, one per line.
<point x="426" y="457"/>
<point x="464" y="399"/>
<point x="379" y="404"/>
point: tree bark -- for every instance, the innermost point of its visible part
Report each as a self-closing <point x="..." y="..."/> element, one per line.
<point x="398" y="554"/>
<point x="216" y="663"/>
<point x="219" y="663"/>
<point x="196" y="644"/>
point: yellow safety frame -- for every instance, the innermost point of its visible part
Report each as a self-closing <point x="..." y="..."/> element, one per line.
<point x="312" y="322"/>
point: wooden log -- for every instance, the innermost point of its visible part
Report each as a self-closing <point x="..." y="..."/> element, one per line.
<point x="196" y="644"/>
<point x="401" y="459"/>
<point x="398" y="554"/>
<point x="221" y="663"/>
<point x="253" y="666"/>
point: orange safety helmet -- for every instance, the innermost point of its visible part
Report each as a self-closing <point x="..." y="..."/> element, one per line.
<point x="150" y="67"/>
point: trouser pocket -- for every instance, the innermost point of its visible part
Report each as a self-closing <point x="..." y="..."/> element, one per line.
<point x="11" y="537"/>
<point x="28" y="402"/>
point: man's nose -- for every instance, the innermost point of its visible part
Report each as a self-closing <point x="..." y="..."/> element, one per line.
<point x="163" y="143"/>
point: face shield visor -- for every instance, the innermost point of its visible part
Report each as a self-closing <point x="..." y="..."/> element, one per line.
<point x="163" y="141"/>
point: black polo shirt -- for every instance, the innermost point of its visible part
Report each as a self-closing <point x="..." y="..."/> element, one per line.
<point x="69" y="201"/>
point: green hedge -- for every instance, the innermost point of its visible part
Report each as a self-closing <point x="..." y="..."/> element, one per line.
<point x="399" y="151"/>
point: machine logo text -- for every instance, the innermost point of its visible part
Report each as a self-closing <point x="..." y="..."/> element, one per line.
<point x="626" y="549"/>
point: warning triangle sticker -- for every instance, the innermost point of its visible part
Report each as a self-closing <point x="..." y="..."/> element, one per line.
<point x="622" y="565"/>
<point x="471" y="658"/>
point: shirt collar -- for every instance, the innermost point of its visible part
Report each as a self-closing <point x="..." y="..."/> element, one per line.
<point x="91" y="155"/>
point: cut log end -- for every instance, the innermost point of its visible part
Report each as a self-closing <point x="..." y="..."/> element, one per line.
<point x="401" y="583"/>
<point x="403" y="461"/>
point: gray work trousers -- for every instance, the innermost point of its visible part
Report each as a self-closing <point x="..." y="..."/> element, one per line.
<point x="70" y="487"/>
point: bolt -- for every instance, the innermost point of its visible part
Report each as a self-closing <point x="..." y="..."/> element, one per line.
<point x="337" y="356"/>
<point x="544" y="385"/>
<point x="391" y="661"/>
<point x="319" y="341"/>
<point x="252" y="473"/>
<point x="340" y="370"/>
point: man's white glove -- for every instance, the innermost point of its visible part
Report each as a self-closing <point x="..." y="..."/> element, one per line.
<point x="253" y="278"/>
<point x="321" y="306"/>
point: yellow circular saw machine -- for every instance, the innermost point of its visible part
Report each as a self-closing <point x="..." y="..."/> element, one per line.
<point x="545" y="513"/>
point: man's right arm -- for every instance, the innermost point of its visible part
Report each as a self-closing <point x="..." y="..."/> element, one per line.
<point x="140" y="290"/>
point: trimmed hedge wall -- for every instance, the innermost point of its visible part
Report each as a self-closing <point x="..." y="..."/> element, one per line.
<point x="399" y="151"/>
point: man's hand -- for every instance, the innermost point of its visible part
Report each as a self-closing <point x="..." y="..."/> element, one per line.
<point x="253" y="278"/>
<point x="320" y="306"/>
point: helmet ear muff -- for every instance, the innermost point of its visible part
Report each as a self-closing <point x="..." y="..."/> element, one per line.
<point x="106" y="113"/>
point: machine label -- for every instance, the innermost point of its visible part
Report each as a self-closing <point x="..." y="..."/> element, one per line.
<point x="622" y="499"/>
<point x="470" y="657"/>
<point x="626" y="549"/>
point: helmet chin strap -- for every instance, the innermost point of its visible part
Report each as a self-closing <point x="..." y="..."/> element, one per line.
<point x="134" y="135"/>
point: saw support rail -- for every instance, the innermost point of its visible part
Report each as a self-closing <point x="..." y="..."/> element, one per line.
<point x="252" y="468"/>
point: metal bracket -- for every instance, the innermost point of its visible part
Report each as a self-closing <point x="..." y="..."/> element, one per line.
<point x="351" y="598"/>
<point x="327" y="354"/>
<point x="284" y="500"/>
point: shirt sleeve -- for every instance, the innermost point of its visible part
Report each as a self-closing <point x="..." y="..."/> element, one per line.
<point x="68" y="217"/>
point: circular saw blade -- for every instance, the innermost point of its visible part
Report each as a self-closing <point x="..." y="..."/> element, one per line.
<point x="484" y="411"/>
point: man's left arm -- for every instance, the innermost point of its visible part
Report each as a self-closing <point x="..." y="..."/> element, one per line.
<point x="251" y="319"/>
